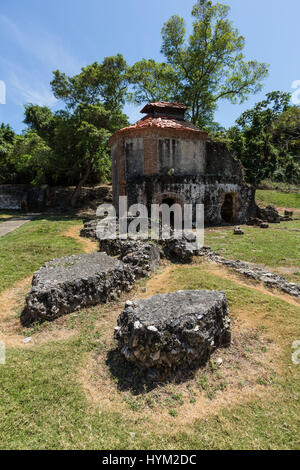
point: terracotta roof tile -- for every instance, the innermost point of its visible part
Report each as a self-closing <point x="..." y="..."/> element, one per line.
<point x="162" y="123"/>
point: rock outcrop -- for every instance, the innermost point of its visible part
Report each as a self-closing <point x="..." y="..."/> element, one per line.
<point x="180" y="249"/>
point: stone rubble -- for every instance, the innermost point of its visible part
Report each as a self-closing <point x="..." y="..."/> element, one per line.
<point x="238" y="231"/>
<point x="252" y="271"/>
<point x="68" y="284"/>
<point x="142" y="257"/>
<point x="89" y="229"/>
<point x="269" y="214"/>
<point x="180" y="249"/>
<point x="183" y="250"/>
<point x="173" y="331"/>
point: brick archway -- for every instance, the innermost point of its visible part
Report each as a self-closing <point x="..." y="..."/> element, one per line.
<point x="171" y="196"/>
<point x="170" y="199"/>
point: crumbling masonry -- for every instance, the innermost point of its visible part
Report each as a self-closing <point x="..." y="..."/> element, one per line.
<point x="163" y="158"/>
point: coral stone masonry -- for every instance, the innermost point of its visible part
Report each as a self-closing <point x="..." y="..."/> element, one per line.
<point x="68" y="284"/>
<point x="164" y="158"/>
<point x="174" y="331"/>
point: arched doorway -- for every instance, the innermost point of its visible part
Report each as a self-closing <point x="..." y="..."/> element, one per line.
<point x="171" y="199"/>
<point x="170" y="202"/>
<point x="228" y="208"/>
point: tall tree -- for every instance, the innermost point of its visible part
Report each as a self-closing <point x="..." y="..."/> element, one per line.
<point x="265" y="139"/>
<point x="203" y="69"/>
<point x="78" y="136"/>
<point x="7" y="139"/>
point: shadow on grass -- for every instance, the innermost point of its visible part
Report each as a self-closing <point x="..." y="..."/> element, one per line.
<point x="137" y="380"/>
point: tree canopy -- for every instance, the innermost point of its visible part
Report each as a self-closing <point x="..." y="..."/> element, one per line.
<point x="199" y="69"/>
<point x="266" y="139"/>
<point x="202" y="69"/>
<point x="78" y="135"/>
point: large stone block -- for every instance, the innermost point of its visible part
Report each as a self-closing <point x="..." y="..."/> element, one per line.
<point x="173" y="331"/>
<point x="143" y="257"/>
<point x="68" y="284"/>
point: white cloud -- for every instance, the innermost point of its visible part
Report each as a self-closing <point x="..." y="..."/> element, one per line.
<point x="43" y="52"/>
<point x="36" y="93"/>
<point x="24" y="86"/>
<point x="46" y="48"/>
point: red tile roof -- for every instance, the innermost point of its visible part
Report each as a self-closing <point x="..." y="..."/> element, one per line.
<point x="162" y="123"/>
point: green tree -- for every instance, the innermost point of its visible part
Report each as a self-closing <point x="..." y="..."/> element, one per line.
<point x="95" y="97"/>
<point x="265" y="139"/>
<point x="152" y="81"/>
<point x="203" y="69"/>
<point x="7" y="139"/>
<point x="78" y="135"/>
<point x="32" y="158"/>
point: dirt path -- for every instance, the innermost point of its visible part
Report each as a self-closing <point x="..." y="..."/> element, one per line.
<point x="88" y="245"/>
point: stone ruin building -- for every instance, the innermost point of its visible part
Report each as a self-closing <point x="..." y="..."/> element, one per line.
<point x="164" y="158"/>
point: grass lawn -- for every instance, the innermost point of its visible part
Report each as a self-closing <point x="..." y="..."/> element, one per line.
<point x="277" y="247"/>
<point x="278" y="199"/>
<point x="68" y="388"/>
<point x="66" y="394"/>
<point x="26" y="249"/>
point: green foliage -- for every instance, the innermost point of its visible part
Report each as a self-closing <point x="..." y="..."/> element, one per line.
<point x="266" y="139"/>
<point x="31" y="158"/>
<point x="278" y="199"/>
<point x="76" y="139"/>
<point x="152" y="81"/>
<point x="202" y="70"/>
<point x="69" y="146"/>
<point x="7" y="139"/>
<point x="104" y="83"/>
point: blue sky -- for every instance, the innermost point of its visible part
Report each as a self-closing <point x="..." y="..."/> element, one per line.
<point x="39" y="36"/>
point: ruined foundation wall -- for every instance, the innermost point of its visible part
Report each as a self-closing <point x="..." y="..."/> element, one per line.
<point x="22" y="197"/>
<point x="187" y="170"/>
<point x="196" y="190"/>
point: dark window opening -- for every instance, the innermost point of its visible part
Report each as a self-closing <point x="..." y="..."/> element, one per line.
<point x="227" y="211"/>
<point x="170" y="202"/>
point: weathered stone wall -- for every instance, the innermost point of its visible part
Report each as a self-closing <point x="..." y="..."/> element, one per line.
<point x="68" y="284"/>
<point x="22" y="197"/>
<point x="196" y="189"/>
<point x="188" y="170"/>
<point x="185" y="157"/>
<point x="174" y="331"/>
<point x="134" y="154"/>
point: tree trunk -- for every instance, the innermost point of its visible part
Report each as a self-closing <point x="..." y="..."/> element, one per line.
<point x="83" y="180"/>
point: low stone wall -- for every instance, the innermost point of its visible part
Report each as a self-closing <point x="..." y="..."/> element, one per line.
<point x="173" y="331"/>
<point x="22" y="197"/>
<point x="252" y="271"/>
<point x="71" y="283"/>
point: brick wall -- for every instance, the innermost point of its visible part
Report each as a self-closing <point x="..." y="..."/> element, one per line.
<point x="150" y="155"/>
